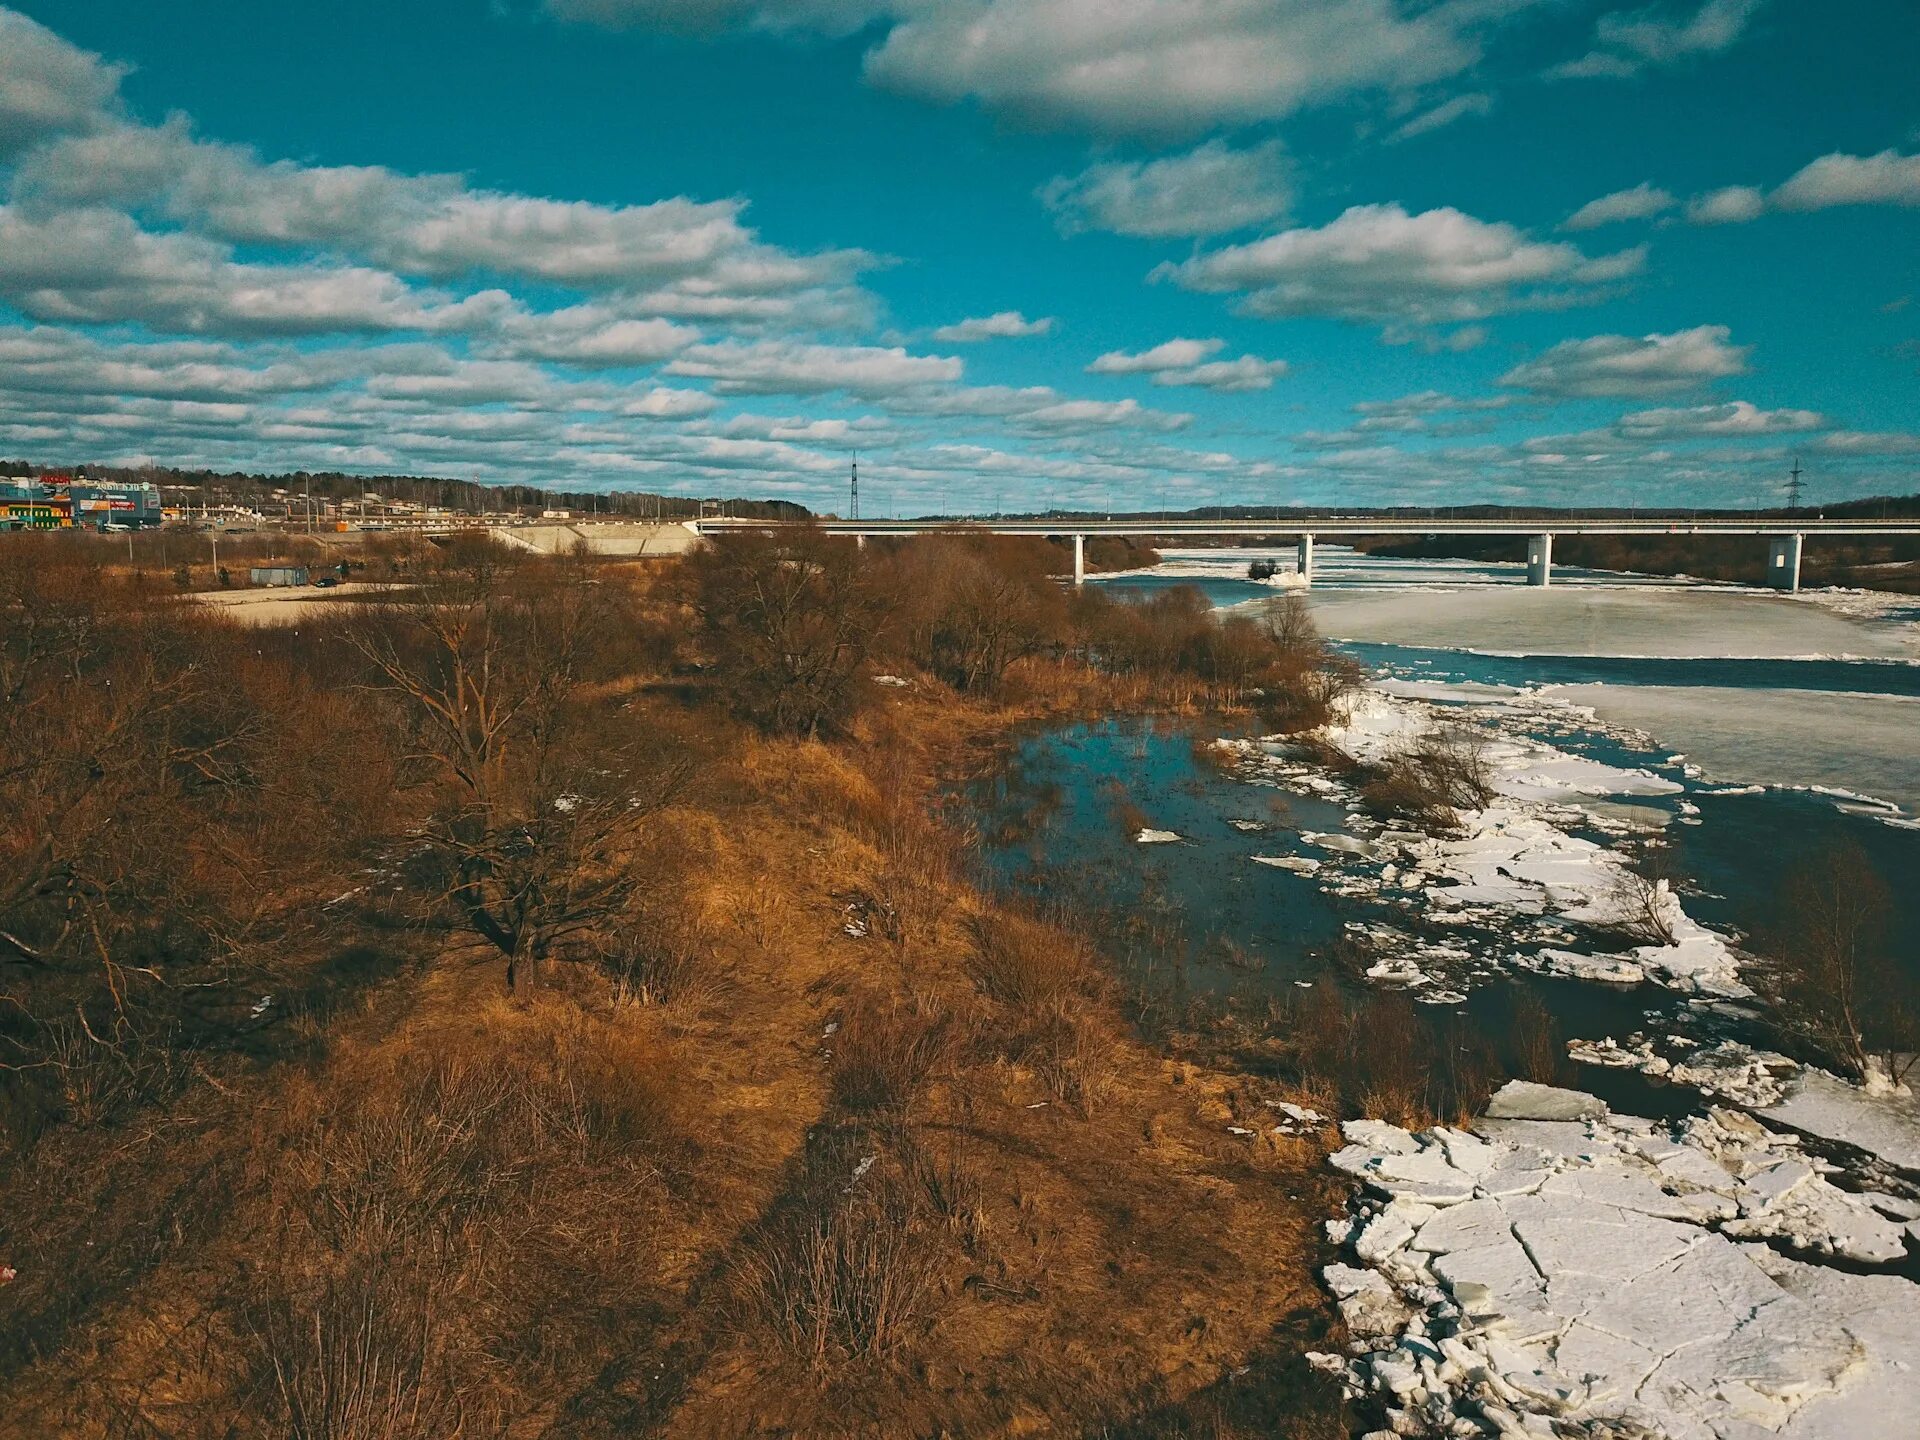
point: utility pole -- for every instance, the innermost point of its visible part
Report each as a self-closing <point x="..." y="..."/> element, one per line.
<point x="1793" y="486"/>
<point x="854" y="488"/>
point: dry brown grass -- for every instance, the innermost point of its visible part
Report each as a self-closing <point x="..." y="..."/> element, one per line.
<point x="632" y="1203"/>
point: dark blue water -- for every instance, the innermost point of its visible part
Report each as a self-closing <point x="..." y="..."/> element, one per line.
<point x="1058" y="820"/>
<point x="1879" y="677"/>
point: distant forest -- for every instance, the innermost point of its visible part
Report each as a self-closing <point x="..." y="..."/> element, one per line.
<point x="239" y="487"/>
<point x="1863" y="562"/>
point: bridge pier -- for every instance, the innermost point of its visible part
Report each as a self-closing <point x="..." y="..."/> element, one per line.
<point x="1079" y="559"/>
<point x="1783" y="561"/>
<point x="1304" y="562"/>
<point x="1540" y="560"/>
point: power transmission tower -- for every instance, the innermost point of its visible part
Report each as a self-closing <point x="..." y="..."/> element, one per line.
<point x="855" y="488"/>
<point x="1793" y="486"/>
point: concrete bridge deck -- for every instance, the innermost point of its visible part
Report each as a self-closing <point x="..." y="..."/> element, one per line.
<point x="1785" y="535"/>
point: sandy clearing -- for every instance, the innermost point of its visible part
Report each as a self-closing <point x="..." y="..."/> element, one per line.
<point x="288" y="606"/>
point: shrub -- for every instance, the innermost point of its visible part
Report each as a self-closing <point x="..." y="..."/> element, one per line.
<point x="885" y="1057"/>
<point x="788" y="622"/>
<point x="1024" y="964"/>
<point x="848" y="1269"/>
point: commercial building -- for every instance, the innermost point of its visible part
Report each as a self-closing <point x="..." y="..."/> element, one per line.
<point x="55" y="502"/>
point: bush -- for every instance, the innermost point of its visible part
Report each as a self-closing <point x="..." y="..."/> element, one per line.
<point x="1024" y="964"/>
<point x="788" y="621"/>
<point x="849" y="1268"/>
<point x="885" y="1057"/>
<point x="1444" y="772"/>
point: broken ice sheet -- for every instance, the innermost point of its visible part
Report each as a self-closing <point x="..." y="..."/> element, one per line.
<point x="1586" y="1271"/>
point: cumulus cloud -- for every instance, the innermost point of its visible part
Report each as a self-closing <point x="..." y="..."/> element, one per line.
<point x="1167" y="355"/>
<point x="781" y="367"/>
<point x="98" y="266"/>
<point x="1206" y="191"/>
<point x="1145" y="66"/>
<point x="1629" y="41"/>
<point x="1001" y="325"/>
<point x="1118" y="66"/>
<point x="1629" y="365"/>
<point x="1190" y="362"/>
<point x="1737" y="417"/>
<point x="1729" y="205"/>
<point x="1429" y="402"/>
<point x="1888" y="178"/>
<point x="592" y="336"/>
<point x="1073" y="415"/>
<point x="829" y="17"/>
<point x="427" y="225"/>
<point x="1378" y="263"/>
<point x="1642" y="202"/>
<point x="48" y="86"/>
<point x="663" y="402"/>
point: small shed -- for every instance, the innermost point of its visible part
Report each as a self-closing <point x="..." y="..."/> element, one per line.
<point x="278" y="575"/>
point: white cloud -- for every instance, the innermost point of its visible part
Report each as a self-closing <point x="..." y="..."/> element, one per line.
<point x="1443" y="114"/>
<point x="1888" y="178"/>
<point x="1206" y="191"/>
<point x="1729" y="205"/>
<point x="1002" y="325"/>
<point x="1188" y="362"/>
<point x="1160" y="66"/>
<point x="665" y="403"/>
<point x="780" y="367"/>
<point x="1377" y="262"/>
<point x="1642" y="202"/>
<point x="1630" y="365"/>
<point x="47" y="85"/>
<point x="1070" y="415"/>
<point x="1167" y="355"/>
<point x="428" y="225"/>
<point x="1737" y="417"/>
<point x="1249" y="372"/>
<point x="1119" y="66"/>
<point x="1629" y="41"/>
<point x="593" y="336"/>
<point x="1430" y="402"/>
<point x="98" y="266"/>
<point x="1871" y="442"/>
<point x="1437" y="342"/>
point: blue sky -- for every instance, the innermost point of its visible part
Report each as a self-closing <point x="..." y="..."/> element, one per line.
<point x="1017" y="252"/>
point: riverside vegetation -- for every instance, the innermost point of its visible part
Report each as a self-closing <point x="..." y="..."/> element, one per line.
<point x="546" y="1001"/>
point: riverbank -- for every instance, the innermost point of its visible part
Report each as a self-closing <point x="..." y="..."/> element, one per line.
<point x="789" y="1124"/>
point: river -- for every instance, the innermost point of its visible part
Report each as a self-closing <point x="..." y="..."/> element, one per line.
<point x="1735" y="735"/>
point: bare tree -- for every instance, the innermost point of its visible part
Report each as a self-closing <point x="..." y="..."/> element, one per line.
<point x="1830" y="971"/>
<point x="538" y="812"/>
<point x="788" y="621"/>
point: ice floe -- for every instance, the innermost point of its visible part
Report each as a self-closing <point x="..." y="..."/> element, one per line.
<point x="1562" y="1270"/>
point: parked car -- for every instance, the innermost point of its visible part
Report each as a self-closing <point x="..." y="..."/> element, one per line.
<point x="326" y="582"/>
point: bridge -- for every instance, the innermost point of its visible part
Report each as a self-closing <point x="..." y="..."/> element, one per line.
<point x="1785" y="537"/>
